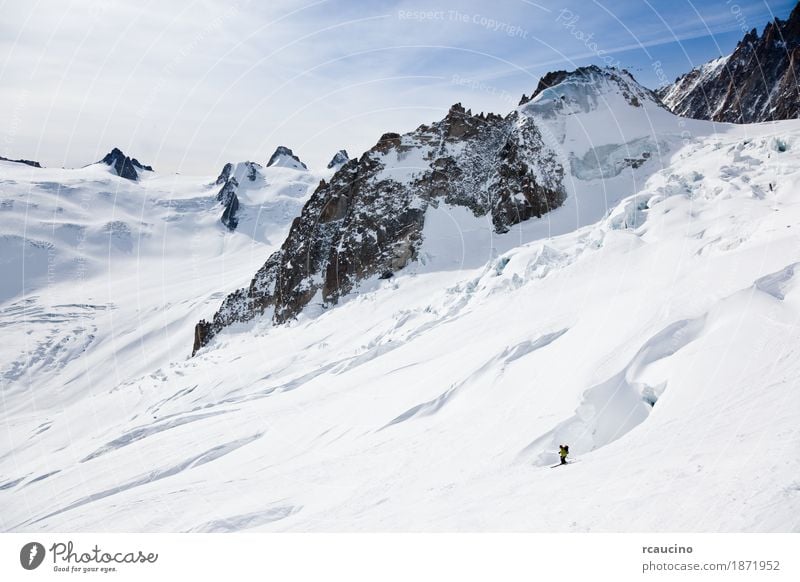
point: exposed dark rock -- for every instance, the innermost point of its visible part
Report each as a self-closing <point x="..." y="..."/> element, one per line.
<point x="284" y="157"/>
<point x="225" y="174"/>
<point x="757" y="82"/>
<point x="550" y="79"/>
<point x="622" y="79"/>
<point x="388" y="141"/>
<point x="368" y="220"/>
<point x="338" y="159"/>
<point x="124" y="166"/>
<point x="230" y="184"/>
<point x="227" y="197"/>
<point x="26" y="162"/>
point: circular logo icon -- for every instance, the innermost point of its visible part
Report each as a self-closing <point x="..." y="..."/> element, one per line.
<point x="31" y="555"/>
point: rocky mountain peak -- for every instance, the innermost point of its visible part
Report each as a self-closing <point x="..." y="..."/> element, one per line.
<point x="457" y="109"/>
<point x="284" y="157"/>
<point x="225" y="174"/>
<point x="584" y="90"/>
<point x="550" y="79"/>
<point x="367" y="220"/>
<point x="792" y="26"/>
<point x="124" y="166"/>
<point x="756" y="82"/>
<point x="230" y="178"/>
<point x="26" y="162"/>
<point x="338" y="159"/>
<point x="749" y="38"/>
<point x="460" y="123"/>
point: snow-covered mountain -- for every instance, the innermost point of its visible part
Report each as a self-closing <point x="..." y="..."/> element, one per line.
<point x="283" y="157"/>
<point x="123" y="166"/>
<point x="649" y="320"/>
<point x="757" y="82"/>
<point x="247" y="182"/>
<point x="367" y="222"/>
<point x="95" y="267"/>
<point x="26" y="162"/>
<point x="338" y="160"/>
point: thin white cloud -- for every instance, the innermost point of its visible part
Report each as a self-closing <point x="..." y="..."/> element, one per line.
<point x="187" y="86"/>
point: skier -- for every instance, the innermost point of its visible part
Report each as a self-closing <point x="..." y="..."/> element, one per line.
<point x="563" y="451"/>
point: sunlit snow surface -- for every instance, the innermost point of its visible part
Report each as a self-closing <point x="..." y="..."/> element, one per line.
<point x="651" y="323"/>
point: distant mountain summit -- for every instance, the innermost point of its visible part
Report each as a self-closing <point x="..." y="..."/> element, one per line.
<point x="26" y="162"/>
<point x="368" y="220"/>
<point x="586" y="89"/>
<point x="284" y="157"/>
<point x="338" y="159"/>
<point x="231" y="178"/>
<point x="757" y="82"/>
<point x="124" y="166"/>
<point x="227" y="194"/>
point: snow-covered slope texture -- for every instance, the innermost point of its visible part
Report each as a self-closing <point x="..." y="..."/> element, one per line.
<point x="602" y="121"/>
<point x="650" y="322"/>
<point x="102" y="276"/>
<point x="659" y="341"/>
<point x="757" y="82"/>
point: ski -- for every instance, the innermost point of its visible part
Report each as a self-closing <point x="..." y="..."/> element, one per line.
<point x="562" y="464"/>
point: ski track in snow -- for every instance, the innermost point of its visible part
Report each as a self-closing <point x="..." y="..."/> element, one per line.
<point x="145" y="431"/>
<point x="156" y="475"/>
<point x="507" y="356"/>
<point x="247" y="520"/>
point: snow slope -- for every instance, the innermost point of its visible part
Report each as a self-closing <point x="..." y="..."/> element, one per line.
<point x="651" y="323"/>
<point x="694" y="80"/>
<point x="103" y="276"/>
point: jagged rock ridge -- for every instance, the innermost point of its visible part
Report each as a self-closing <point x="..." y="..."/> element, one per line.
<point x="284" y="157"/>
<point x="229" y="179"/>
<point x="124" y="166"/>
<point x="561" y="92"/>
<point x="339" y="158"/>
<point x="26" y="162"/>
<point x="757" y="82"/>
<point x="368" y="220"/>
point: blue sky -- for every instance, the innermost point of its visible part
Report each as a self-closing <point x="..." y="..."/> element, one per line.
<point x="187" y="86"/>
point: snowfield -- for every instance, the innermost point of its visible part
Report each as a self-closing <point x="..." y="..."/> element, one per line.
<point x="651" y="323"/>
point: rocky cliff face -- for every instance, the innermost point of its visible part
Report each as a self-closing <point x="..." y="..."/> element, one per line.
<point x="367" y="221"/>
<point x="229" y="178"/>
<point x="757" y="82"/>
<point x="284" y="157"/>
<point x="339" y="159"/>
<point x="26" y="162"/>
<point x="124" y="166"/>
